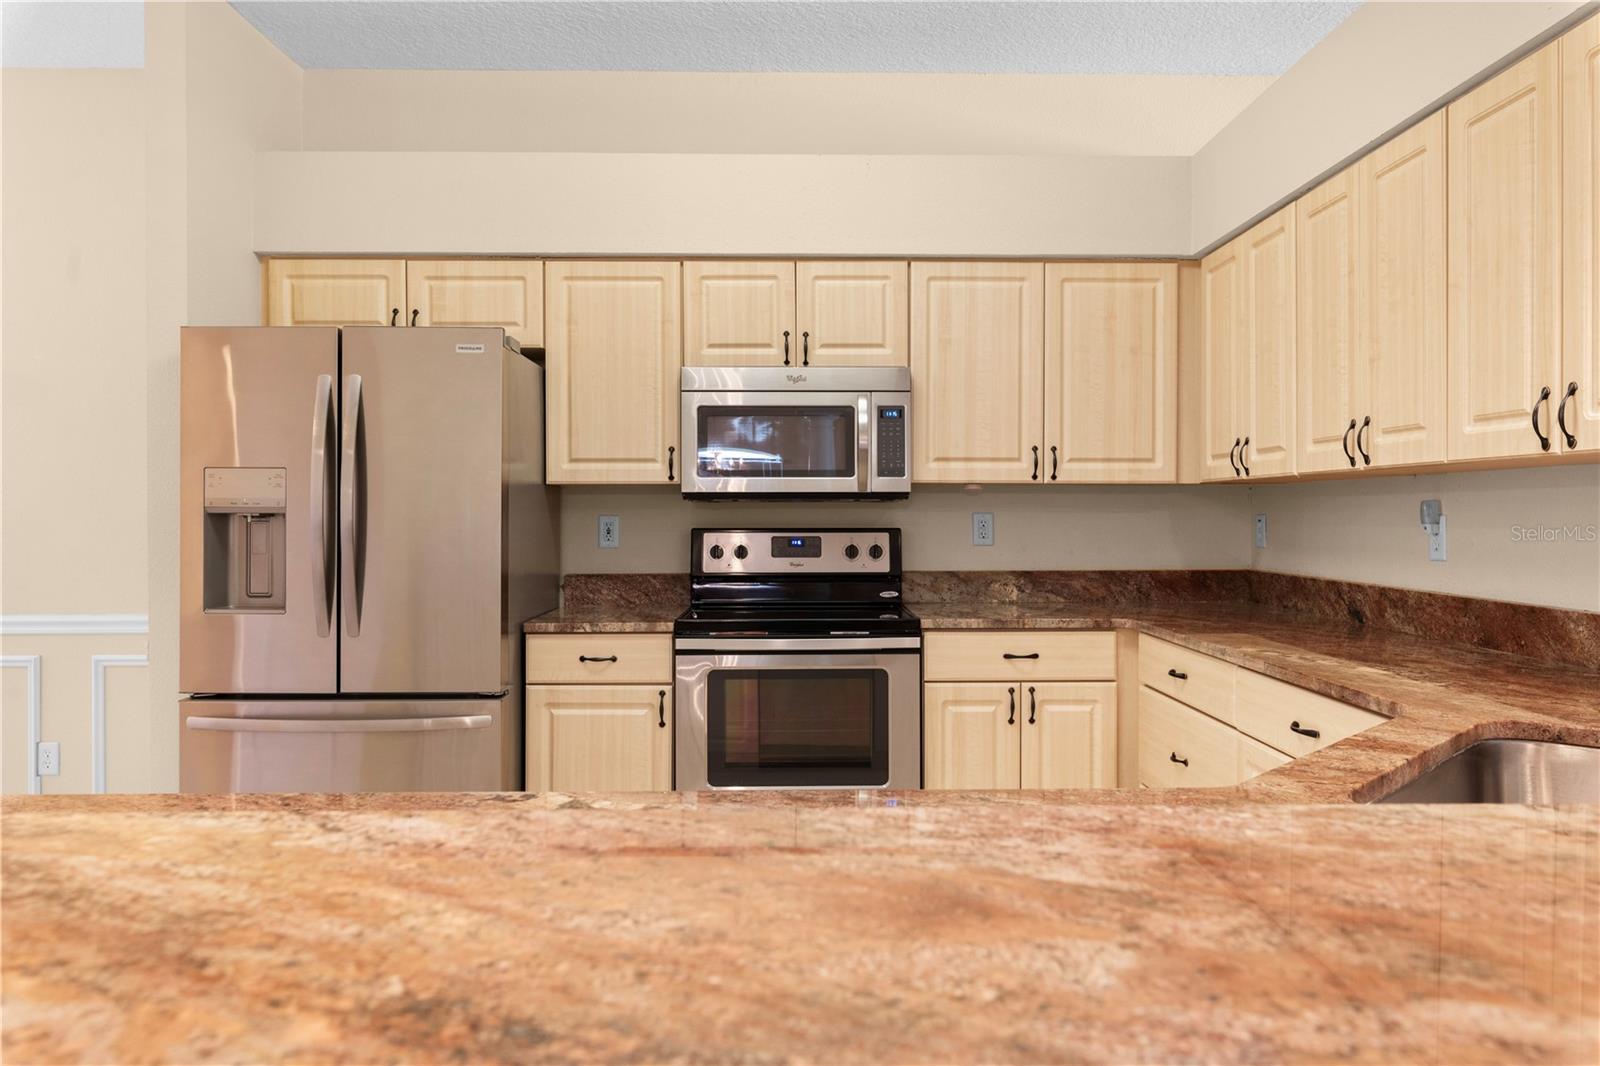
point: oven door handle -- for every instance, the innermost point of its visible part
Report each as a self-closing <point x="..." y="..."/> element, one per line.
<point x="797" y="644"/>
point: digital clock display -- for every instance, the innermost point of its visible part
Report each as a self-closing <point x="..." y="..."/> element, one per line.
<point x="797" y="547"/>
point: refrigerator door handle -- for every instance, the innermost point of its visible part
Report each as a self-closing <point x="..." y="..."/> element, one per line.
<point x="339" y="725"/>
<point x="321" y="550"/>
<point x="350" y="490"/>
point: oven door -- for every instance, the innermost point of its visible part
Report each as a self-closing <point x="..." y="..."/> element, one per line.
<point x="777" y="443"/>
<point x="835" y="718"/>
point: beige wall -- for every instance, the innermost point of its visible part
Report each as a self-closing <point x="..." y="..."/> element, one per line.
<point x="1383" y="66"/>
<point x="1366" y="529"/>
<point x="1077" y="527"/>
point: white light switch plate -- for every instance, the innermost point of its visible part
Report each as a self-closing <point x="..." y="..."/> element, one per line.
<point x="610" y="535"/>
<point x="983" y="528"/>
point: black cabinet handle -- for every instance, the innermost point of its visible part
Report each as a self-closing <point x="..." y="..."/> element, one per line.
<point x="1561" y="414"/>
<point x="1055" y="461"/>
<point x="1362" y="448"/>
<point x="1544" y="397"/>
<point x="785" y="347"/>
<point x="672" y="453"/>
<point x="1242" y="462"/>
<point x="1014" y="655"/>
<point x="805" y="348"/>
<point x="1232" y="452"/>
<point x="414" y="313"/>
<point x="1033" y="704"/>
<point x="394" y="317"/>
<point x="661" y="707"/>
<point x="1179" y="674"/>
<point x="1348" y="454"/>
<point x="1312" y="733"/>
<point x="1012" y="720"/>
<point x="1035" y="462"/>
<point x="1180" y="762"/>
<point x="597" y="658"/>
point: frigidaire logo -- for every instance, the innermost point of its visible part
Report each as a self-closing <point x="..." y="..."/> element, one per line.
<point x="795" y="379"/>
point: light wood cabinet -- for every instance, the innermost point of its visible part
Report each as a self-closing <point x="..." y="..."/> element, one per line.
<point x="739" y="314"/>
<point x="1578" y="389"/>
<point x="598" y="658"/>
<point x="1111" y="372"/>
<point x="508" y="293"/>
<point x="612" y="359"/>
<point x="970" y="737"/>
<point x="1181" y="748"/>
<point x="1505" y="261"/>
<point x="977" y="359"/>
<point x="599" y="738"/>
<point x="853" y="312"/>
<point x="1222" y="355"/>
<point x="1266" y="378"/>
<point x="335" y="292"/>
<point x="1256" y="758"/>
<point x="1333" y="383"/>
<point x="1064" y="736"/>
<point x="1019" y="655"/>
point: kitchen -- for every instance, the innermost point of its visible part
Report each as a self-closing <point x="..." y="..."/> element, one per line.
<point x="1143" y="500"/>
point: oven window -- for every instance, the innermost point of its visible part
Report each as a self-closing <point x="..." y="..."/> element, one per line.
<point x="797" y="727"/>
<point x="776" y="442"/>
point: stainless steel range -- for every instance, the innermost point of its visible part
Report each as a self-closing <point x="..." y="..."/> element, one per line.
<point x="797" y="665"/>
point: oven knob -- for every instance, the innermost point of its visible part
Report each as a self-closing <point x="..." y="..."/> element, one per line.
<point x="715" y="551"/>
<point x="740" y="552"/>
<point x="851" y="551"/>
<point x="876" y="551"/>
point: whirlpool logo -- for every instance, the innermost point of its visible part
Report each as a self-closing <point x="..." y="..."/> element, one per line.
<point x="795" y="379"/>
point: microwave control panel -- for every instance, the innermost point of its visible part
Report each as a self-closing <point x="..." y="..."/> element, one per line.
<point x="892" y="441"/>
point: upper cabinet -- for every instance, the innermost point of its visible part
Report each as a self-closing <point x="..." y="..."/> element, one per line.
<point x="508" y="293"/>
<point x="335" y="292"/>
<point x="612" y="356"/>
<point x="1111" y="372"/>
<point x="977" y="360"/>
<point x="739" y="314"/>
<point x="1332" y="380"/>
<point x="1578" y="389"/>
<point x="853" y="312"/>
<point x="1221" y="352"/>
<point x="1505" y="261"/>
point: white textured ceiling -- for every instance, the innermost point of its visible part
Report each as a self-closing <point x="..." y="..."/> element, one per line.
<point x="989" y="36"/>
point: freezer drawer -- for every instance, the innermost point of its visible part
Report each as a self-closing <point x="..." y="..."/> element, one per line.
<point x="343" y="745"/>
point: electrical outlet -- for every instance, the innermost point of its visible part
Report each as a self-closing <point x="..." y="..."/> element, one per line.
<point x="1261" y="531"/>
<point x="610" y="531"/>
<point x="983" y="528"/>
<point x="49" y="758"/>
<point x="1436" y="542"/>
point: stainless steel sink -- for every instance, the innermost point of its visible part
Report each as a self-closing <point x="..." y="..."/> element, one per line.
<point x="1509" y="771"/>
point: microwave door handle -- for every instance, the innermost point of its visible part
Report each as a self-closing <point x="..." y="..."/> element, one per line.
<point x="321" y="456"/>
<point x="864" y="444"/>
<point x="350" y="489"/>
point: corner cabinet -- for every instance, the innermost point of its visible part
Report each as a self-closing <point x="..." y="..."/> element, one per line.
<point x="334" y="292"/>
<point x="612" y="356"/>
<point x="1578" y="392"/>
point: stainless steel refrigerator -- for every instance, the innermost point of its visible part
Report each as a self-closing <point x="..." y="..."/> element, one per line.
<point x="365" y="525"/>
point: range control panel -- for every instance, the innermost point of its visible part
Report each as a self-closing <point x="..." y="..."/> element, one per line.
<point x="821" y="551"/>
<point x="891" y="441"/>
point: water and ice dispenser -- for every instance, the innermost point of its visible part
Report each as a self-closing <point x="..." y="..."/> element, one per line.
<point x="245" y="542"/>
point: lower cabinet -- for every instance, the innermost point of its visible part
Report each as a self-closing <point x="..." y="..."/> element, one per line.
<point x="1181" y="748"/>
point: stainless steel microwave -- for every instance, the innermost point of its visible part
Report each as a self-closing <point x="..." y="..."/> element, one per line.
<point x="791" y="431"/>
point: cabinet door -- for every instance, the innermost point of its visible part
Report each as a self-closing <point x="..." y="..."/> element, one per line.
<point x="977" y="336"/>
<point x="1505" y="259"/>
<point x="1221" y="356"/>
<point x="853" y="313"/>
<point x="1331" y="384"/>
<point x="1580" y="71"/>
<point x="1111" y="372"/>
<point x="1267" y="381"/>
<point x="612" y="355"/>
<point x="970" y="736"/>
<point x="508" y="293"/>
<point x="739" y="314"/>
<point x="1403" y="201"/>
<point x="335" y="292"/>
<point x="1069" y="736"/>
<point x="599" y="738"/>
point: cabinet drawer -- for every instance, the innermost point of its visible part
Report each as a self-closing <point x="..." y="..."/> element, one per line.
<point x="600" y="658"/>
<point x="1170" y="732"/>
<point x="1256" y="758"/>
<point x="1038" y="655"/>
<point x="1271" y="710"/>
<point x="1204" y="683"/>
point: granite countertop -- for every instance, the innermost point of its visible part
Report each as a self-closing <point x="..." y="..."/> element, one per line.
<point x="841" y="927"/>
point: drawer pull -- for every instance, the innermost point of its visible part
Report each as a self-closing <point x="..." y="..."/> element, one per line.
<point x="1033" y="704"/>
<point x="597" y="658"/>
<point x="1012" y="720"/>
<point x="1014" y="655"/>
<point x="1312" y="733"/>
<point x="1179" y="674"/>
<point x="1180" y="762"/>
<point x="661" y="707"/>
